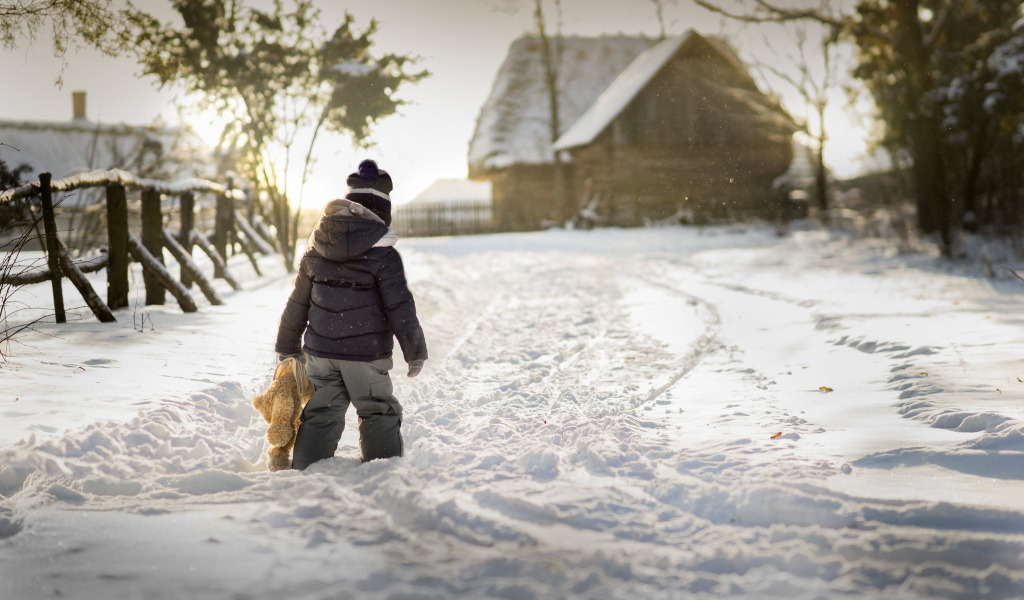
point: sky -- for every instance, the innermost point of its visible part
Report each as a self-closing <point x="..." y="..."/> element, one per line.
<point x="657" y="413"/>
<point x="461" y="42"/>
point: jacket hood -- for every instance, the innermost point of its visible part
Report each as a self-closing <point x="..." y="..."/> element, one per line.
<point x="346" y="230"/>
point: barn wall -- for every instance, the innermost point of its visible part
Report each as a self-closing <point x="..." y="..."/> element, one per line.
<point x="687" y="148"/>
<point x="523" y="197"/>
<point x="631" y="185"/>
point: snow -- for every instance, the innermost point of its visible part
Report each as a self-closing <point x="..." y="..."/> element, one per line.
<point x="354" y="68"/>
<point x="637" y="413"/>
<point x="454" y="190"/>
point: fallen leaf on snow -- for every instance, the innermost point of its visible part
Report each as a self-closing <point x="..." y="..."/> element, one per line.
<point x="825" y="389"/>
<point x="776" y="434"/>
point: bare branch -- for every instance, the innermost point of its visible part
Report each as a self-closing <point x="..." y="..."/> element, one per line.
<point x="939" y="25"/>
<point x="771" y="13"/>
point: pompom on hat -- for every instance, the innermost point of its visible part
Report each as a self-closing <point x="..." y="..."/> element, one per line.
<point x="371" y="187"/>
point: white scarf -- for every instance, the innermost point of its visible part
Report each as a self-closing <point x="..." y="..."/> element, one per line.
<point x="388" y="239"/>
<point x="348" y="208"/>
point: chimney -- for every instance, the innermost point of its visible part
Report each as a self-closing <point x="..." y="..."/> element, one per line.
<point x="78" y="102"/>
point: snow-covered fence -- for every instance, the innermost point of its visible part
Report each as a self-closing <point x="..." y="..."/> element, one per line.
<point x="453" y="217"/>
<point x="229" y="227"/>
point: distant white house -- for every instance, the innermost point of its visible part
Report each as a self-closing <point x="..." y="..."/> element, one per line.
<point x="453" y="191"/>
<point x="64" y="148"/>
<point x="447" y="207"/>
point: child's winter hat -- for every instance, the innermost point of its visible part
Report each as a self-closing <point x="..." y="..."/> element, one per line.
<point x="371" y="186"/>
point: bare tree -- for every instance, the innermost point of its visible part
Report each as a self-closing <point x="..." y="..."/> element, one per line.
<point x="896" y="51"/>
<point x="18" y="227"/>
<point x="551" y="55"/>
<point x="659" y="13"/>
<point x="814" y="80"/>
<point x="551" y="60"/>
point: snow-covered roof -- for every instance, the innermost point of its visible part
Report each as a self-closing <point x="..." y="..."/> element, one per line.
<point x="71" y="147"/>
<point x="620" y="93"/>
<point x="634" y="79"/>
<point x="512" y="127"/>
<point x="453" y="190"/>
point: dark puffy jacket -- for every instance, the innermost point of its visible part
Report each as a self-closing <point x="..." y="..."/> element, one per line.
<point x="350" y="298"/>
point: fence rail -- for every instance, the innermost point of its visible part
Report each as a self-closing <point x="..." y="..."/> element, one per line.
<point x="229" y="227"/>
<point x="108" y="177"/>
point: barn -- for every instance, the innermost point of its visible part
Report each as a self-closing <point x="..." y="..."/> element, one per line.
<point x="679" y="131"/>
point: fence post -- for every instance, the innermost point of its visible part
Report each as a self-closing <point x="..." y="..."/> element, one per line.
<point x="188" y="204"/>
<point x="250" y="204"/>
<point x="224" y="221"/>
<point x="152" y="225"/>
<point x="117" y="246"/>
<point x="52" y="256"/>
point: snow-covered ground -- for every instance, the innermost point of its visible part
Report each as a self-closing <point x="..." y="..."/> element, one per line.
<point x="649" y="413"/>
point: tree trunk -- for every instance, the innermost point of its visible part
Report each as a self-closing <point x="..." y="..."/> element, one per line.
<point x="551" y="60"/>
<point x="820" y="172"/>
<point x="933" y="201"/>
<point x="224" y="220"/>
<point x="978" y="148"/>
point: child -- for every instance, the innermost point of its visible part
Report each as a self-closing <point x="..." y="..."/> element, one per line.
<point x="349" y="302"/>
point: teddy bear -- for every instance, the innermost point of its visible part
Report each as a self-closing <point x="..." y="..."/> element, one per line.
<point x="281" y="405"/>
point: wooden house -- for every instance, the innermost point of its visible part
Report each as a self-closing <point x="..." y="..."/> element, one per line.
<point x="681" y="132"/>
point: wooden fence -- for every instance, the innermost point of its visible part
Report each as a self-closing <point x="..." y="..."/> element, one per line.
<point x="444" y="218"/>
<point x="230" y="226"/>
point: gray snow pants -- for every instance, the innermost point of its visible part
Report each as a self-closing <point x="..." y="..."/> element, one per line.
<point x="336" y="383"/>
